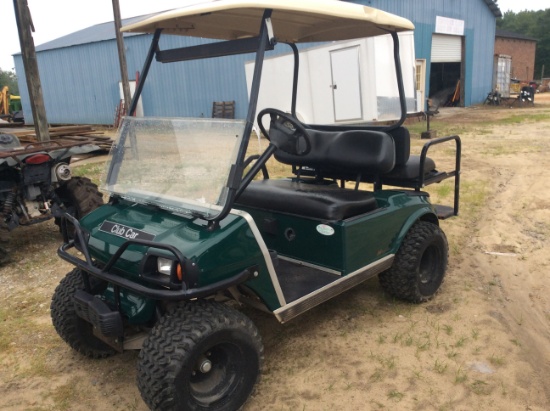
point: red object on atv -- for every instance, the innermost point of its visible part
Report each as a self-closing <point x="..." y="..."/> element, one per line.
<point x="38" y="159"/>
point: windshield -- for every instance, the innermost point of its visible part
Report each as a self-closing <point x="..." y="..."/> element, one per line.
<point x="177" y="164"/>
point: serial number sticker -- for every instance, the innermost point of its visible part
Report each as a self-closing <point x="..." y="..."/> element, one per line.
<point x="125" y="231"/>
<point x="325" y="229"/>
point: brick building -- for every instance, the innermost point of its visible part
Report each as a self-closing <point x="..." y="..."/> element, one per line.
<point x="521" y="49"/>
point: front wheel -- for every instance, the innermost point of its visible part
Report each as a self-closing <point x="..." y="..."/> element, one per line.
<point x="420" y="264"/>
<point x="200" y="356"/>
<point x="71" y="328"/>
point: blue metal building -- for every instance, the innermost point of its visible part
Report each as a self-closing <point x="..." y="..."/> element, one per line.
<point x="461" y="32"/>
<point x="80" y="73"/>
<point x="80" y="77"/>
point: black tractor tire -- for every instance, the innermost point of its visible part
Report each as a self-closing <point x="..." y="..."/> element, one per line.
<point x="201" y="355"/>
<point x="75" y="331"/>
<point x="419" y="266"/>
<point x="80" y="197"/>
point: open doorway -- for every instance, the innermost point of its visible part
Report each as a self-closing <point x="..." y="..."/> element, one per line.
<point x="445" y="84"/>
<point x="446" y="71"/>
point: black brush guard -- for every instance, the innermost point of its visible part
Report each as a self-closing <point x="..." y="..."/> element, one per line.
<point x="88" y="268"/>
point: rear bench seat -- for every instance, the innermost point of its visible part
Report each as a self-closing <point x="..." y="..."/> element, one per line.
<point x="353" y="152"/>
<point x="407" y="167"/>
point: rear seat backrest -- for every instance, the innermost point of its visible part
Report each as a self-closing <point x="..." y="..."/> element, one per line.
<point x="402" y="140"/>
<point x="364" y="152"/>
<point x="355" y="151"/>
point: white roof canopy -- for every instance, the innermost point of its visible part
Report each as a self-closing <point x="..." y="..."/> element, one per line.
<point x="293" y="20"/>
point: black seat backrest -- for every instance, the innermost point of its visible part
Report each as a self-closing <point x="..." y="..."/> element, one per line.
<point x="402" y="140"/>
<point x="350" y="152"/>
<point x="320" y="140"/>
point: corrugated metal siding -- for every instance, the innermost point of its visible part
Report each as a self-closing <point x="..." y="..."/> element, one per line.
<point x="194" y="85"/>
<point x="80" y="83"/>
<point x="479" y="32"/>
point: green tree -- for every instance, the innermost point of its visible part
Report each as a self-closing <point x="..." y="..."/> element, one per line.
<point x="8" y="78"/>
<point x="532" y="24"/>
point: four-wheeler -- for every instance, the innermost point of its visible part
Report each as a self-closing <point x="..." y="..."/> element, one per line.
<point x="36" y="183"/>
<point x="195" y="225"/>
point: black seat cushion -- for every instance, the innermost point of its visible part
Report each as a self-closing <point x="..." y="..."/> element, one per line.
<point x="325" y="202"/>
<point x="411" y="169"/>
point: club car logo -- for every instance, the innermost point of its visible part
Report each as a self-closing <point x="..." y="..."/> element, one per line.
<point x="125" y="231"/>
<point x="325" y="229"/>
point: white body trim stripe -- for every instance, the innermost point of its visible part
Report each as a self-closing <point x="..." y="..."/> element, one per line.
<point x="265" y="252"/>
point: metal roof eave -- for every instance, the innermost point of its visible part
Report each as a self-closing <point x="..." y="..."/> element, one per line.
<point x="494" y="8"/>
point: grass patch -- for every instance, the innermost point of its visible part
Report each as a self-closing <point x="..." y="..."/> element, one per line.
<point x="395" y="395"/>
<point x="517" y="119"/>
<point x="65" y="395"/>
<point x="94" y="171"/>
<point x="479" y="387"/>
<point x="473" y="196"/>
<point x="497" y="361"/>
<point x="440" y="366"/>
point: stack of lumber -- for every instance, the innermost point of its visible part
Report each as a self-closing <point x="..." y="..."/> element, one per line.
<point x="84" y="134"/>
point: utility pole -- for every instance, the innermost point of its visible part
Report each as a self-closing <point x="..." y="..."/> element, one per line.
<point x="122" y="57"/>
<point x="28" y="53"/>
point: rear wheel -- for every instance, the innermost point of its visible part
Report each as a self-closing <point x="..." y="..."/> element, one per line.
<point x="420" y="264"/>
<point x="75" y="331"/>
<point x="201" y="355"/>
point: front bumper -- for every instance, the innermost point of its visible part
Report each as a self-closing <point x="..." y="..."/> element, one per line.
<point x="174" y="293"/>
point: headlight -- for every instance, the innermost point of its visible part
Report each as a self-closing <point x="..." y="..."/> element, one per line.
<point x="166" y="265"/>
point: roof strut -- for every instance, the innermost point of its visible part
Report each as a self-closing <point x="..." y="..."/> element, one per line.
<point x="235" y="177"/>
<point x="152" y="50"/>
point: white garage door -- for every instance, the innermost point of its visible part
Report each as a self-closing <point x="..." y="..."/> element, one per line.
<point x="446" y="49"/>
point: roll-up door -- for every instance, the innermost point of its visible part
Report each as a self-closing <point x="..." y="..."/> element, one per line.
<point x="446" y="49"/>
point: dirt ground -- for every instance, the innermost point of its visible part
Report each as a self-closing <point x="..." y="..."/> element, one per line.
<point x="482" y="343"/>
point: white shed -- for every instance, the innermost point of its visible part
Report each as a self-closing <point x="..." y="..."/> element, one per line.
<point x="340" y="83"/>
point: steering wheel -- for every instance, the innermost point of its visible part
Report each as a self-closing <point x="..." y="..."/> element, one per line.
<point x="287" y="133"/>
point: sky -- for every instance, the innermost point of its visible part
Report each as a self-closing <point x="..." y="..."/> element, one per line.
<point x="55" y="18"/>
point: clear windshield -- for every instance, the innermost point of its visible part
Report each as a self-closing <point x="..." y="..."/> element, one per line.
<point x="178" y="164"/>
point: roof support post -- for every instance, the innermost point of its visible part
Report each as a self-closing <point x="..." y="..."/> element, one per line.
<point x="145" y="71"/>
<point x="235" y="182"/>
<point x="400" y="87"/>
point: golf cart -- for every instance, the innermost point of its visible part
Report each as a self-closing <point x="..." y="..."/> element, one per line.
<point x="195" y="226"/>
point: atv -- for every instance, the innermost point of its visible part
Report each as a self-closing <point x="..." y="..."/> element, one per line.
<point x="36" y="183"/>
<point x="195" y="226"/>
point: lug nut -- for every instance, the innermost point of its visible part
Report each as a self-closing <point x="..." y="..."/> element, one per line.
<point x="206" y="366"/>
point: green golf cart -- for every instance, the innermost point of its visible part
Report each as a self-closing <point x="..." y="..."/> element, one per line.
<point x="195" y="226"/>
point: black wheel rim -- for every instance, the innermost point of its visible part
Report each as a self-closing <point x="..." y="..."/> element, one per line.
<point x="429" y="269"/>
<point x="208" y="386"/>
